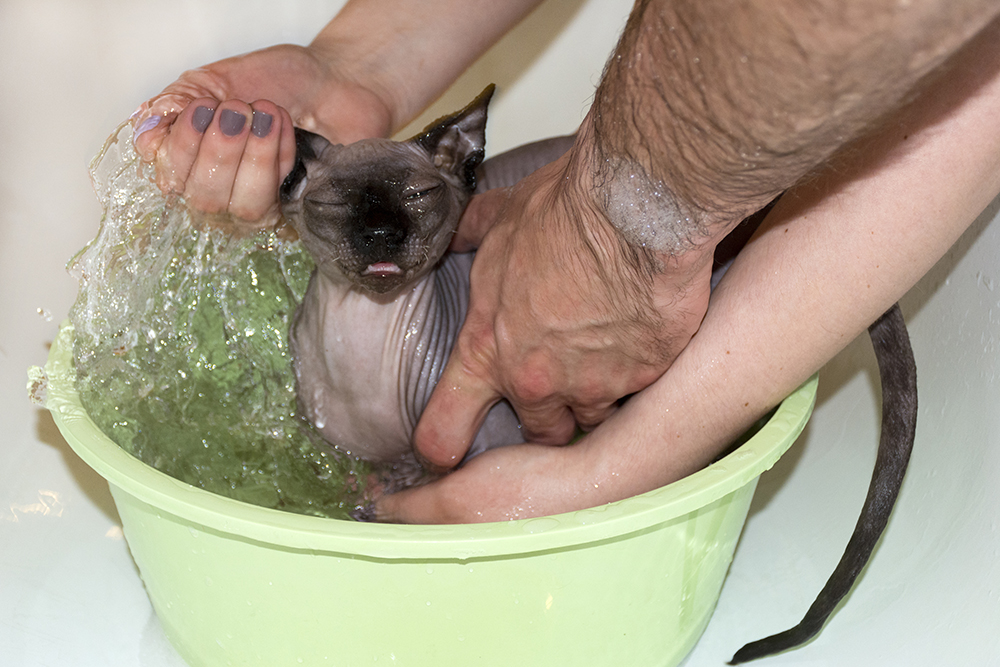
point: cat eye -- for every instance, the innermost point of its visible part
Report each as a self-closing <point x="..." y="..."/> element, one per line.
<point x="324" y="203"/>
<point x="421" y="193"/>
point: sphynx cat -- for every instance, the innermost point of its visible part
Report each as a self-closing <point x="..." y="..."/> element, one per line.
<point x="386" y="302"/>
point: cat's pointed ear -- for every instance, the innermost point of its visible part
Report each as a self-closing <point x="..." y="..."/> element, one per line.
<point x="308" y="147"/>
<point x="457" y="143"/>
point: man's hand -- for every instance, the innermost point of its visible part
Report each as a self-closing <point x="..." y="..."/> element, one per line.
<point x="595" y="273"/>
<point x="771" y="318"/>
<point x="565" y="317"/>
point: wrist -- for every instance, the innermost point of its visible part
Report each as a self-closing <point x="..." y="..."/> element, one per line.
<point x="668" y="258"/>
<point x="348" y="101"/>
<point x="674" y="235"/>
<point x="672" y="279"/>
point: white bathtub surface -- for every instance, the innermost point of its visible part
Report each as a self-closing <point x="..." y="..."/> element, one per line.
<point x="69" y="592"/>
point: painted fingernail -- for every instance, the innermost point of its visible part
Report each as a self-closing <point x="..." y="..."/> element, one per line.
<point x="231" y="122"/>
<point x="261" y="124"/>
<point x="201" y="118"/>
<point x="145" y="126"/>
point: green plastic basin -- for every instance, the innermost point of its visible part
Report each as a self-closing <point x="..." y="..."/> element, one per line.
<point x="629" y="583"/>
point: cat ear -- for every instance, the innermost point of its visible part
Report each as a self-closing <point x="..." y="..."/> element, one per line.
<point x="457" y="143"/>
<point x="308" y="147"/>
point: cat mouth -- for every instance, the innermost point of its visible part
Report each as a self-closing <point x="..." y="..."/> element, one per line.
<point x="379" y="269"/>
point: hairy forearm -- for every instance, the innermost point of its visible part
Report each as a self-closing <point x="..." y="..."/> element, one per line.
<point x="832" y="256"/>
<point x="409" y="51"/>
<point x="708" y="109"/>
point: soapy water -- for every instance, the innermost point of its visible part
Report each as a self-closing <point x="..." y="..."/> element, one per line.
<point x="181" y="348"/>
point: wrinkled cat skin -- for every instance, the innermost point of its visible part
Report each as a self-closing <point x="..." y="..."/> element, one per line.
<point x="385" y="305"/>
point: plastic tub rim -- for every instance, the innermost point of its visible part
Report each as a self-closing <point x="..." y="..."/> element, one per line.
<point x="395" y="541"/>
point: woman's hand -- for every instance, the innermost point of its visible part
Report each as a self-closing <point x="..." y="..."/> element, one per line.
<point x="222" y="135"/>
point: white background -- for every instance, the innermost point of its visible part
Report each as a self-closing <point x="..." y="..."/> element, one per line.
<point x="69" y="592"/>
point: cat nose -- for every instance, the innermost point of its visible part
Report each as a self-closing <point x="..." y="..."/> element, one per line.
<point x="389" y="237"/>
<point x="380" y="235"/>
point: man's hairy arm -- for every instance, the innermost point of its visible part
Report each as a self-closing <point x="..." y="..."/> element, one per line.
<point x="870" y="226"/>
<point x="706" y="111"/>
<point x="709" y="109"/>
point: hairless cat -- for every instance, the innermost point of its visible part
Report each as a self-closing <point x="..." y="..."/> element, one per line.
<point x="386" y="302"/>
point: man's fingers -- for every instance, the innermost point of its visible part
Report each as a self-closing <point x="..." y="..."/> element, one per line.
<point x="454" y="413"/>
<point x="549" y="425"/>
<point x="591" y="417"/>
<point x="478" y="219"/>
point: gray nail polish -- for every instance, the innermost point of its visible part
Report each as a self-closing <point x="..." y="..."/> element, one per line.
<point x="231" y="122"/>
<point x="201" y="117"/>
<point x="261" y="124"/>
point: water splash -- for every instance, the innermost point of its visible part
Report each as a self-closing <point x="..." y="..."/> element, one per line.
<point x="181" y="348"/>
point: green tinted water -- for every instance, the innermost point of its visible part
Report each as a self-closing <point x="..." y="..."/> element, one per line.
<point x="181" y="349"/>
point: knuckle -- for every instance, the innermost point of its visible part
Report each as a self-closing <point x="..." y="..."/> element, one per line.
<point x="553" y="425"/>
<point x="475" y="348"/>
<point x="595" y="390"/>
<point x="532" y="384"/>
